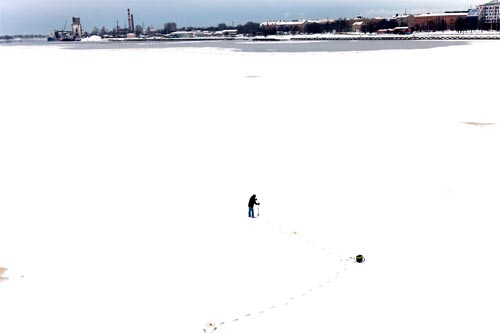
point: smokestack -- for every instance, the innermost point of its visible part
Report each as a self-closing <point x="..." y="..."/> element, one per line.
<point x="129" y="20"/>
<point x="133" y="26"/>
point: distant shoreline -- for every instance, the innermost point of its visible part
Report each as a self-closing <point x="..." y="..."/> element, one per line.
<point x="282" y="43"/>
<point x="449" y="35"/>
<point x="351" y="36"/>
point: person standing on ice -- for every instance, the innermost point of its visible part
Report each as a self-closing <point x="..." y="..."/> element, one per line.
<point x="253" y="201"/>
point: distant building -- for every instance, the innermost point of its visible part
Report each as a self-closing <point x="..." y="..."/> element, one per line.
<point x="472" y="22"/>
<point x="76" y="27"/>
<point x="438" y="21"/>
<point x="227" y="33"/>
<point x="188" y="34"/>
<point x="406" y="20"/>
<point x="363" y="24"/>
<point x="325" y="21"/>
<point x="396" y="31"/>
<point x="489" y="14"/>
<point x="357" y="26"/>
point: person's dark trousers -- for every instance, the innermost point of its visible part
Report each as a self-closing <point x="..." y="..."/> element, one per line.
<point x="250" y="212"/>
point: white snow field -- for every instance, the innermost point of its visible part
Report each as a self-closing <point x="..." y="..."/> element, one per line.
<point x="125" y="177"/>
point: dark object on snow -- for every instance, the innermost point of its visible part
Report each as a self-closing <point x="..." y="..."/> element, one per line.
<point x="253" y="201"/>
<point x="360" y="258"/>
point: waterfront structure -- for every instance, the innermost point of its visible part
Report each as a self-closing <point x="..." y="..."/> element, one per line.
<point x="472" y="22"/>
<point x="396" y="31"/>
<point x="326" y="21"/>
<point x="357" y="26"/>
<point x="131" y="26"/>
<point x="405" y="20"/>
<point x="489" y="13"/>
<point x="76" y="28"/>
<point x="188" y="34"/>
<point x="226" y="33"/>
<point x="438" y="21"/>
<point x="63" y="35"/>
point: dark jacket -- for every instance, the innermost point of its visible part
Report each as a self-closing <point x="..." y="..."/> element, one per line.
<point x="253" y="201"/>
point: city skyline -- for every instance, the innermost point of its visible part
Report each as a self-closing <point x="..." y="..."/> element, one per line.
<point x="41" y="17"/>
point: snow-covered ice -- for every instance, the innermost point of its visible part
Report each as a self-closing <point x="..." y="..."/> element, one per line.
<point x="125" y="174"/>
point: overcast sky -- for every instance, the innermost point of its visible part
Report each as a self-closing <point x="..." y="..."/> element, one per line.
<point x="42" y="16"/>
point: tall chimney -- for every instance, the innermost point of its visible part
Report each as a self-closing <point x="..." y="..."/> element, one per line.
<point x="133" y="26"/>
<point x="129" y="20"/>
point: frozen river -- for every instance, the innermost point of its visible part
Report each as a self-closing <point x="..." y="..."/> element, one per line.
<point x="126" y="169"/>
<point x="262" y="46"/>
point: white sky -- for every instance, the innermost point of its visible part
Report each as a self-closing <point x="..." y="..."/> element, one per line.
<point x="30" y="16"/>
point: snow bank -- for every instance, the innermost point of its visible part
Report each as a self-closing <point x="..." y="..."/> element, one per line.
<point x="93" y="39"/>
